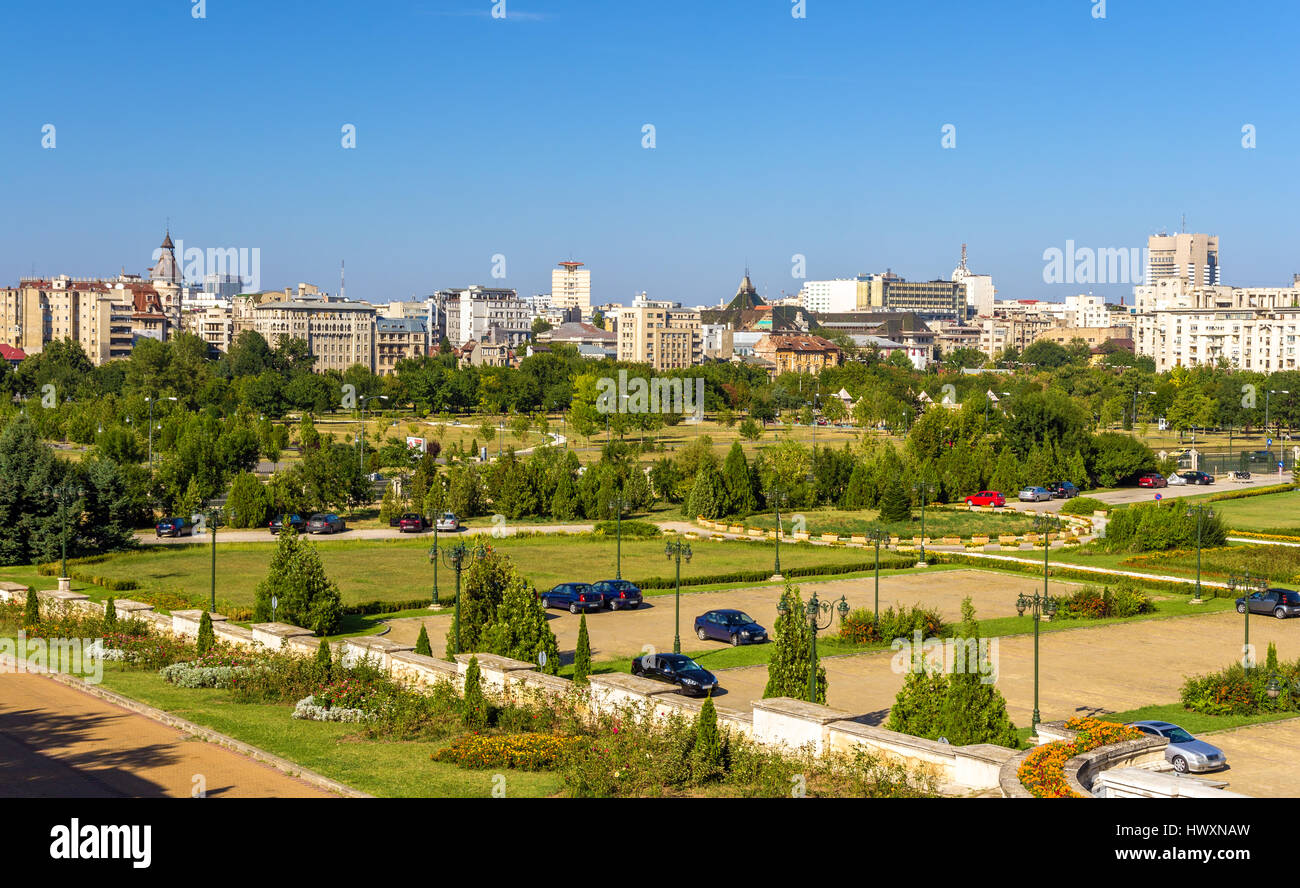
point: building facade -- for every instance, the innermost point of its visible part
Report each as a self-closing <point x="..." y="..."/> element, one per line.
<point x="661" y="334"/>
<point x="1190" y="258"/>
<point x="571" y="287"/>
<point x="339" y="334"/>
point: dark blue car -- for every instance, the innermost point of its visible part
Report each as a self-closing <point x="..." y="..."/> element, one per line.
<point x="619" y="594"/>
<point x="732" y="626"/>
<point x="677" y="669"/>
<point x="576" y="597"/>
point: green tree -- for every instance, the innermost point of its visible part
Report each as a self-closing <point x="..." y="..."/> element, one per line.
<point x="918" y="708"/>
<point x="895" y="504"/>
<point x="708" y="754"/>
<point x="206" y="637"/>
<point x="738" y="482"/>
<point x="788" y="666"/>
<point x="474" y="705"/>
<point x="323" y="665"/>
<point x="582" y="656"/>
<point x="110" y="615"/>
<point x="249" y="503"/>
<point x="519" y="628"/>
<point x="708" y="496"/>
<point x="306" y="596"/>
<point x="32" y="612"/>
<point x="422" y="643"/>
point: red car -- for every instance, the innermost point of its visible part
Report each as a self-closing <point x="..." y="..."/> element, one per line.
<point x="412" y="522"/>
<point x="986" y="498"/>
<point x="1152" y="479"/>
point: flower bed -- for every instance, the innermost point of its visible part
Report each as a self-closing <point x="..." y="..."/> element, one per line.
<point x="1042" y="773"/>
<point x="528" y="752"/>
<point x="213" y="670"/>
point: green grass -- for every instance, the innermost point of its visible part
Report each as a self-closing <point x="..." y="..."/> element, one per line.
<point x="1194" y="722"/>
<point x="1269" y="513"/>
<point x="399" y="570"/>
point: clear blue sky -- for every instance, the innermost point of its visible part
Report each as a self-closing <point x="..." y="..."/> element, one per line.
<point x="775" y="136"/>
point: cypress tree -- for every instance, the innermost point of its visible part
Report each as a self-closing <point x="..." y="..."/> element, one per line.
<point x="582" y="657"/>
<point x="859" y="492"/>
<point x="474" y="704"/>
<point x="422" y="643"/>
<point x="737" y="482"/>
<point x="323" y="663"/>
<point x="32" y="616"/>
<point x="110" y="615"/>
<point x="708" y="760"/>
<point x="206" y="637"/>
<point x="787" y="669"/>
<point x="895" y="505"/>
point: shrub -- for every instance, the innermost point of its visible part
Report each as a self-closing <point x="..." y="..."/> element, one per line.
<point x="1240" y="691"/>
<point x="211" y="671"/>
<point x="1084" y="505"/>
<point x="322" y="662"/>
<point x="631" y="529"/>
<point x="307" y="597"/>
<point x="862" y="627"/>
<point x="475" y="711"/>
<point x="32" y="613"/>
<point x="708" y="754"/>
<point x="422" y="643"/>
<point x="110" y="613"/>
<point x="582" y="657"/>
<point x="206" y="637"/>
<point x="1156" y="527"/>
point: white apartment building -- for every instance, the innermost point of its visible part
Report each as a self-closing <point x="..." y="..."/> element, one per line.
<point x="571" y="287"/>
<point x="1086" y="310"/>
<point x="472" y="313"/>
<point x="1251" y="328"/>
<point x="830" y="297"/>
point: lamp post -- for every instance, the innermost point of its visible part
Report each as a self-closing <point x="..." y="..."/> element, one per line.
<point x="1039" y="604"/>
<point x="433" y="556"/>
<point x="678" y="549"/>
<point x="455" y="557"/>
<point x="1267" y="392"/>
<point x="923" y="488"/>
<point x="64" y="496"/>
<point x="876" y="535"/>
<point x="990" y="397"/>
<point x="1045" y="524"/>
<point x="150" y="403"/>
<point x="1248" y="584"/>
<point x="364" y="401"/>
<point x="1137" y="392"/>
<point x="1201" y="511"/>
<point x="214" y="519"/>
<point x="776" y="495"/>
<point x="617" y="506"/>
<point x="813" y="611"/>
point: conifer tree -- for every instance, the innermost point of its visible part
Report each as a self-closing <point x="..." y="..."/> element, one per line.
<point x="474" y="705"/>
<point x="787" y="669"/>
<point x="582" y="657"/>
<point x="422" y="643"/>
<point x="708" y="754"/>
<point x="323" y="663"/>
<point x="32" y="614"/>
<point x="895" y="505"/>
<point x="110" y="615"/>
<point x="206" y="637"/>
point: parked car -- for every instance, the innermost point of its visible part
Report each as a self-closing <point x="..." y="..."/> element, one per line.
<point x="296" y="523"/>
<point x="576" y="597"/>
<point x="447" y="522"/>
<point x="1152" y="479"/>
<point x="1184" y="751"/>
<point x="1035" y="495"/>
<point x="1063" y="490"/>
<point x="1196" y="477"/>
<point x="619" y="594"/>
<point x="413" y="522"/>
<point x="326" y="522"/>
<point x="732" y="626"/>
<point x="1281" y="603"/>
<point x="173" y="527"/>
<point x="1262" y="456"/>
<point x="986" y="498"/>
<point x="677" y="669"/>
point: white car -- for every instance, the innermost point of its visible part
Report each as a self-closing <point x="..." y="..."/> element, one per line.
<point x="448" y="521"/>
<point x="1035" y="495"/>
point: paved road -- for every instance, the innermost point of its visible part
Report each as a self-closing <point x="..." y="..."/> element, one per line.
<point x="1261" y="759"/>
<point x="627" y="633"/>
<point x="1147" y="495"/>
<point x="56" y="741"/>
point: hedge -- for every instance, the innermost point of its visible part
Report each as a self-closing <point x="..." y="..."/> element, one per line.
<point x="1065" y="573"/>
<point x="1253" y="491"/>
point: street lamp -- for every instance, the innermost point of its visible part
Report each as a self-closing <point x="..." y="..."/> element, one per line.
<point x="814" y="610"/>
<point x="150" y="403"/>
<point x="365" y="401"/>
<point x="455" y="557"/>
<point x="1248" y="584"/>
<point x="617" y="506"/>
<point x="214" y="519"/>
<point x="1039" y="604"/>
<point x="1202" y="511"/>
<point x="776" y="495"/>
<point x="878" y="535"/>
<point x="1137" y="392"/>
<point x="923" y="488"/>
<point x="65" y="496"/>
<point x="1268" y="392"/>
<point x="678" y="549"/>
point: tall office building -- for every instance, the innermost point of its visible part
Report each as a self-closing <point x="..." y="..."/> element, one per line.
<point x="571" y="287"/>
<point x="829" y="297"/>
<point x="980" y="292"/>
<point x="1191" y="258"/>
<point x="932" y="300"/>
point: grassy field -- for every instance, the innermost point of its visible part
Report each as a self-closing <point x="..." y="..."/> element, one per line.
<point x="938" y="522"/>
<point x="1270" y="513"/>
<point x="399" y="570"/>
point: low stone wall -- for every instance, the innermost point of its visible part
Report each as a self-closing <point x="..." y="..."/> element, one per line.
<point x="1076" y="527"/>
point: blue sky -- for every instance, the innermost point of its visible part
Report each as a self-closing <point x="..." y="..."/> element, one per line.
<point x="523" y="137"/>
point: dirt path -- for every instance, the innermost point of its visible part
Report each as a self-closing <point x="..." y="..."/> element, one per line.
<point x="56" y="741"/>
<point x="627" y="633"/>
<point x="1261" y="759"/>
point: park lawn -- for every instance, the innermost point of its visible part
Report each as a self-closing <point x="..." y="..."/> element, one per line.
<point x="338" y="751"/>
<point x="1268" y="513"/>
<point x="399" y="570"/>
<point x="1194" y="722"/>
<point x="938" y="522"/>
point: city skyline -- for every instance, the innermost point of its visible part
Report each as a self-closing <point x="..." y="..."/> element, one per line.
<point x="774" y="143"/>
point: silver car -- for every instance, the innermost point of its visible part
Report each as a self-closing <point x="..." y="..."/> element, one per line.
<point x="323" y="522"/>
<point x="448" y="521"/>
<point x="1035" y="495"/>
<point x="1184" y="751"/>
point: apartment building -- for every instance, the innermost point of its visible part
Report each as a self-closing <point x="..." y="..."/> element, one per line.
<point x="824" y="297"/>
<point x="798" y="353"/>
<point x="91" y="312"/>
<point x="1190" y="258"/>
<point x="214" y="324"/>
<point x="1095" y="337"/>
<point x="399" y="339"/>
<point x="339" y="334"/>
<point x="1018" y="331"/>
<point x="472" y="312"/>
<point x="1251" y="328"/>
<point x="571" y="287"/>
<point x="661" y="334"/>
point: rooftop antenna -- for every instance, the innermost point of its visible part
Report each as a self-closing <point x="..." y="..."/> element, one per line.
<point x="963" y="257"/>
<point x="1184" y="223"/>
<point x="343" y="286"/>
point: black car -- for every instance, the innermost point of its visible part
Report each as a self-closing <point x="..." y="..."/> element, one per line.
<point x="1196" y="477"/>
<point x="618" y="594"/>
<point x="575" y="597"/>
<point x="1281" y="603"/>
<point x="173" y="527"/>
<point x="1262" y="456"/>
<point x="677" y="669"/>
<point x="732" y="626"/>
<point x="1062" y="490"/>
<point x="296" y="523"/>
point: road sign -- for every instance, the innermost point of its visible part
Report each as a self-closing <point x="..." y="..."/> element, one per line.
<point x="1159" y="497"/>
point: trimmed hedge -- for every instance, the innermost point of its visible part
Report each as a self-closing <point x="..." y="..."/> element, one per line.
<point x="1254" y="491"/>
<point x="1084" y="505"/>
<point x="1065" y="573"/>
<point x="631" y="529"/>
